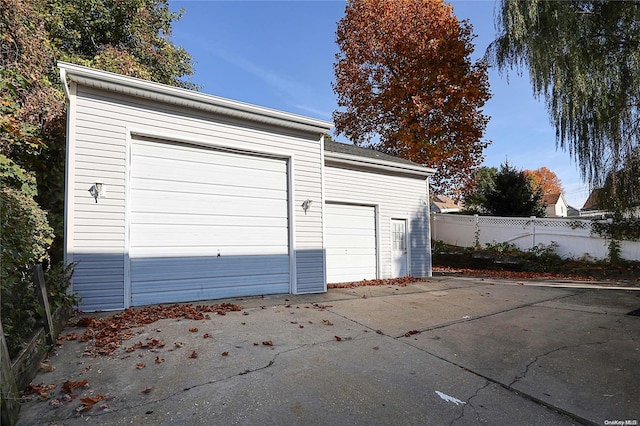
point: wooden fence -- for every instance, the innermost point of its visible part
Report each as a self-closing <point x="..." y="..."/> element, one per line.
<point x="17" y="374"/>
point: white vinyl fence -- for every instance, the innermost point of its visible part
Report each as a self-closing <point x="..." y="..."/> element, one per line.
<point x="573" y="236"/>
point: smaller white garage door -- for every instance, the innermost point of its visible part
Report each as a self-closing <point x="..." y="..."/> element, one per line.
<point x="351" y="242"/>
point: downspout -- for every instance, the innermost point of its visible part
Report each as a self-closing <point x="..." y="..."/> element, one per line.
<point x="67" y="259"/>
<point x="428" y="214"/>
<point x="65" y="87"/>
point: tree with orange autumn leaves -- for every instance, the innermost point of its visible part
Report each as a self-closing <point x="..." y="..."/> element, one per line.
<point x="547" y="180"/>
<point x="406" y="86"/>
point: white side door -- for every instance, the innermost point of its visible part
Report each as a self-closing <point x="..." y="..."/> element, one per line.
<point x="399" y="258"/>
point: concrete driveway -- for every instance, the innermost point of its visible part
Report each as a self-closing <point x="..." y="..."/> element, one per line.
<point x="449" y="350"/>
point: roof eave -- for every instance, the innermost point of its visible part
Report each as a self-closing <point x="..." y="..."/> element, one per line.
<point x="391" y="166"/>
<point x="188" y="98"/>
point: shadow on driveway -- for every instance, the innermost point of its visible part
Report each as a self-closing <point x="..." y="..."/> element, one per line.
<point x="448" y="350"/>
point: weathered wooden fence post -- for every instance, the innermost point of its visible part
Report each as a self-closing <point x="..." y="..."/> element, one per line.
<point x="41" y="291"/>
<point x="9" y="406"/>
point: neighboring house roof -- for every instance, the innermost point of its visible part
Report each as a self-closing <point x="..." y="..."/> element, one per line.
<point x="572" y="211"/>
<point x="592" y="200"/>
<point x="555" y="204"/>
<point x="357" y="156"/>
<point x="442" y="204"/>
<point x="550" y="199"/>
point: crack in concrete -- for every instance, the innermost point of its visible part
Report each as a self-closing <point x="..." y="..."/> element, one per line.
<point x="627" y="331"/>
<point x="470" y="404"/>
<point x="463" y="320"/>
<point x="488" y="380"/>
<point x="171" y="395"/>
<point x="525" y="371"/>
<point x="510" y="389"/>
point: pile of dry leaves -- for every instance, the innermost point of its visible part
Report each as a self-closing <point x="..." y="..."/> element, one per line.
<point x="401" y="282"/>
<point x="514" y="275"/>
<point x="68" y="394"/>
<point x="105" y="335"/>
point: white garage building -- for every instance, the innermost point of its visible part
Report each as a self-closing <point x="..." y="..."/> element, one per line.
<point x="174" y="195"/>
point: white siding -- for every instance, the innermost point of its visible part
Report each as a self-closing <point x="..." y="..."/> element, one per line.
<point x="97" y="239"/>
<point x="395" y="196"/>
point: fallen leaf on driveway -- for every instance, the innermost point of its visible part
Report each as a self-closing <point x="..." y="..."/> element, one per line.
<point x="338" y="338"/>
<point x="267" y="343"/>
<point x="147" y="390"/>
<point x="40" y="389"/>
<point x="159" y="360"/>
<point x="411" y="332"/>
<point x="194" y="329"/>
<point x="89" y="402"/>
<point x="327" y="322"/>
<point x="70" y="386"/>
<point x="225" y="353"/>
<point x="193" y="355"/>
<point x="140" y="366"/>
<point x="56" y="403"/>
<point x="206" y="336"/>
<point x="47" y="367"/>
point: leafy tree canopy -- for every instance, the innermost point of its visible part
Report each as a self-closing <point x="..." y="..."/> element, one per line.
<point x="513" y="195"/>
<point x="547" y="180"/>
<point x="405" y="84"/>
<point x="583" y="58"/>
<point x="625" y="184"/>
<point x="130" y="37"/>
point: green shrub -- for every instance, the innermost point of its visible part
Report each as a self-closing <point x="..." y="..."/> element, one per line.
<point x="502" y="248"/>
<point x="25" y="239"/>
<point x="543" y="258"/>
<point x="58" y="279"/>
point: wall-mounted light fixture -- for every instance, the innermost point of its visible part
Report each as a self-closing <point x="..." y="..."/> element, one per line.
<point x="306" y="204"/>
<point x="98" y="190"/>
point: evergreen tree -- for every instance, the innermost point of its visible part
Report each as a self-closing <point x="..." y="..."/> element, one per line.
<point x="483" y="182"/>
<point x="513" y="195"/>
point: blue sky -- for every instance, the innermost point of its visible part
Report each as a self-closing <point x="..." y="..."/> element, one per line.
<point x="280" y="54"/>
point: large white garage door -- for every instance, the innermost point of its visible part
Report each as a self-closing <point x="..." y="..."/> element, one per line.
<point x="351" y="242"/>
<point x="206" y="224"/>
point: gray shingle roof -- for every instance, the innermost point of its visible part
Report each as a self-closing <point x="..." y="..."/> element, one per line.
<point x="343" y="148"/>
